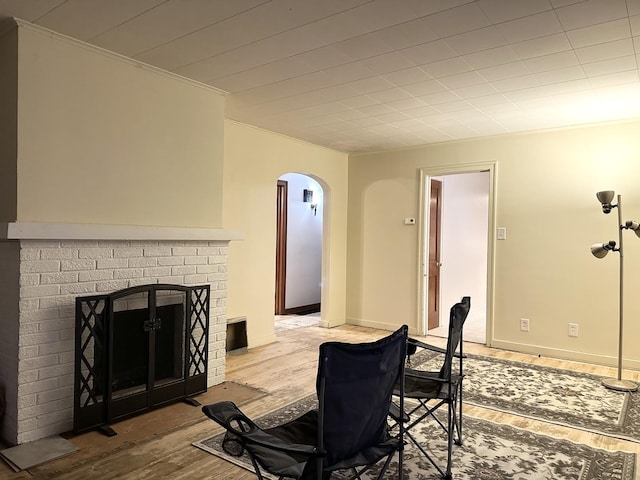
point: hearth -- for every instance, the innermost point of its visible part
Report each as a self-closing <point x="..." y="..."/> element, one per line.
<point x="138" y="349"/>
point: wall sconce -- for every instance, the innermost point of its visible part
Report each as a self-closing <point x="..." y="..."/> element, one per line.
<point x="600" y="250"/>
<point x="307" y="197"/>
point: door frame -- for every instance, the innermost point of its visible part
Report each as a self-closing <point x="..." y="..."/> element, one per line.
<point x="423" y="235"/>
<point x="282" y="196"/>
<point x="433" y="240"/>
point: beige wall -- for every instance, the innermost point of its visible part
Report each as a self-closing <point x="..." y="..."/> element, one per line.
<point x="102" y="140"/>
<point x="545" y="197"/>
<point x="253" y="161"/>
<point x="8" y="122"/>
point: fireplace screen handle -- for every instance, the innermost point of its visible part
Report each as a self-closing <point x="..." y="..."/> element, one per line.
<point x="153" y="324"/>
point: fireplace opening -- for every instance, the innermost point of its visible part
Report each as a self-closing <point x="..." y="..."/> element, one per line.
<point x="130" y="351"/>
<point x="137" y="349"/>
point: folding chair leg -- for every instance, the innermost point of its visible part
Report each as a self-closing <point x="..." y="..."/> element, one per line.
<point x="256" y="468"/>
<point x="426" y="455"/>
<point x="459" y="402"/>
<point x="357" y="474"/>
<point x="451" y="412"/>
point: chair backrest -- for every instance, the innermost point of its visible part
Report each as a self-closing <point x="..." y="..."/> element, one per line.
<point x="457" y="316"/>
<point x="354" y="385"/>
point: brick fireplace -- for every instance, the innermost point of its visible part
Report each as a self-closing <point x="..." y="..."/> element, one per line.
<point x="46" y="266"/>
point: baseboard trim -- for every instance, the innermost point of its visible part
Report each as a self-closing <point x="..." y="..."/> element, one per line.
<point x="303" y="309"/>
<point x="260" y="341"/>
<point x="379" y="325"/>
<point x="564" y="354"/>
<point x="530" y="349"/>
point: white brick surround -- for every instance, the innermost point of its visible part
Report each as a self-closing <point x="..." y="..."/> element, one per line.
<point x="40" y="310"/>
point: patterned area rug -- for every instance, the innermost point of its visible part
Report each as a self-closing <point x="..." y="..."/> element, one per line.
<point x="491" y="451"/>
<point x="549" y="394"/>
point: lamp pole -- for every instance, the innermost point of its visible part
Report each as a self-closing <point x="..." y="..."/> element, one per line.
<point x="618" y="383"/>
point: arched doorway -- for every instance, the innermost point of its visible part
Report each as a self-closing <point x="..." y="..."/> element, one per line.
<point x="298" y="245"/>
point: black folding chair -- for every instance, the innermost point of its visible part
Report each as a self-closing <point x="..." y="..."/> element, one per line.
<point x="349" y="430"/>
<point x="443" y="387"/>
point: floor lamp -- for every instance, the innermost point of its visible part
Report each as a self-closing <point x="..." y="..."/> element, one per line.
<point x="600" y="250"/>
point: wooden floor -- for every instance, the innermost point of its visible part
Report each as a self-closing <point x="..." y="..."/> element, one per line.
<point x="158" y="445"/>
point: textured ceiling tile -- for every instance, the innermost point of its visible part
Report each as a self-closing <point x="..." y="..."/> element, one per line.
<point x="29" y="11"/>
<point x="552" y="61"/>
<point x="458" y="20"/>
<point x="527" y="28"/>
<point x="613" y="65"/>
<point x="504" y="10"/>
<point x="542" y="46"/>
<point x="140" y="32"/>
<point x="462" y="80"/>
<point x="429" y="52"/>
<point x="591" y="12"/>
<point x="477" y="40"/>
<point x="492" y="57"/>
<point x="445" y="68"/>
<point x="406" y="76"/>
<point x="605" y="51"/>
<point x="601" y="33"/>
<point x="508" y="70"/>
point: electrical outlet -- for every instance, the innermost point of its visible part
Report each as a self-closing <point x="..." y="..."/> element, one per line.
<point x="573" y="329"/>
<point x="524" y="324"/>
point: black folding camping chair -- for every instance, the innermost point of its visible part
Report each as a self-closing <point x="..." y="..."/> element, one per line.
<point x="433" y="389"/>
<point x="348" y="431"/>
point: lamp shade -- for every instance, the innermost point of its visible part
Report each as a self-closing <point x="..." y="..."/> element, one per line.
<point x="635" y="226"/>
<point x="605" y="197"/>
<point x="600" y="250"/>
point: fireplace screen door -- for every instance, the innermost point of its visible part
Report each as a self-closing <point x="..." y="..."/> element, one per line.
<point x="137" y="349"/>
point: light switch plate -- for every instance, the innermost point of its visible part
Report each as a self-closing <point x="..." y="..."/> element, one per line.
<point x="502" y="233"/>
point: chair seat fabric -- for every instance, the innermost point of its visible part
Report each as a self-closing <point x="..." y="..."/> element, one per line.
<point x="421" y="384"/>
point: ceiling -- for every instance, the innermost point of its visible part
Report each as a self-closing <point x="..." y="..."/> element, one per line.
<point x="369" y="75"/>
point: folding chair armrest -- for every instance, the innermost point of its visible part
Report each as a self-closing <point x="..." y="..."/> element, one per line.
<point x="266" y="440"/>
<point x="433" y="376"/>
<point x="433" y="348"/>
<point x="425" y="376"/>
<point x="394" y="413"/>
<point x="229" y="416"/>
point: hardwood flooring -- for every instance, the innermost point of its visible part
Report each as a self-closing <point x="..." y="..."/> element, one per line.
<point x="157" y="445"/>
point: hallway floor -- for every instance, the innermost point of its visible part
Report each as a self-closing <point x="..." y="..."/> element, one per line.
<point x="288" y="322"/>
<point x="474" y="328"/>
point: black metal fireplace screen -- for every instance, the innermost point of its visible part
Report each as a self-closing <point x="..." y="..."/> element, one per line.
<point x="137" y="349"/>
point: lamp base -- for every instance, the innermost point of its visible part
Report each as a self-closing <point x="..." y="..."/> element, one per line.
<point x="620" y="385"/>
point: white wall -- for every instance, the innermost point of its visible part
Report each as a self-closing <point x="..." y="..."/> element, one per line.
<point x="463" y="251"/>
<point x="304" y="242"/>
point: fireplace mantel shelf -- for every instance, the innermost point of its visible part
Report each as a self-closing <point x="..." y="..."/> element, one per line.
<point x="75" y="231"/>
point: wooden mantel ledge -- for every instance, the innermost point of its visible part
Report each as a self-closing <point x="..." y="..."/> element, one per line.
<point x="76" y="231"/>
